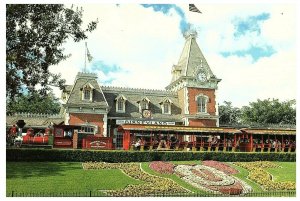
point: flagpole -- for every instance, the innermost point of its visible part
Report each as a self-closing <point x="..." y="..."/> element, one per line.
<point x="85" y="58"/>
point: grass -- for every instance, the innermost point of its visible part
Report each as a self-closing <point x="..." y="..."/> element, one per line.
<point x="56" y="177"/>
<point x="49" y="177"/>
<point x="286" y="173"/>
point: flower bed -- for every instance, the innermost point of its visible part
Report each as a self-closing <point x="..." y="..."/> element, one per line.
<point x="162" y="167"/>
<point x="211" y="179"/>
<point x="220" y="166"/>
<point x="263" y="178"/>
<point x="153" y="184"/>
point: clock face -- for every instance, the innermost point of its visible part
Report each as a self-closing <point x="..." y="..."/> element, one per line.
<point x="202" y="76"/>
<point x="146" y="113"/>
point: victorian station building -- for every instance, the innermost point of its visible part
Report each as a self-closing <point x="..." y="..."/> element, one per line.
<point x="184" y="116"/>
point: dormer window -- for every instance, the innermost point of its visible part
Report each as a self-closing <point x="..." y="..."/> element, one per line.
<point x="120" y="103"/>
<point x="166" y="106"/>
<point x="143" y="104"/>
<point x="202" y="101"/>
<point x="87" y="92"/>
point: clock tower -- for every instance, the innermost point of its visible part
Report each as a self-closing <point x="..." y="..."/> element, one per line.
<point x="196" y="85"/>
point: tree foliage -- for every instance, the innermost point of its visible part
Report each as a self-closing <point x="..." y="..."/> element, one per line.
<point x="229" y="114"/>
<point x="35" y="103"/>
<point x="35" y="34"/>
<point x="270" y="112"/>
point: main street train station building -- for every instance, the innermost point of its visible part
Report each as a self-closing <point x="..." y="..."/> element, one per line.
<point x="184" y="116"/>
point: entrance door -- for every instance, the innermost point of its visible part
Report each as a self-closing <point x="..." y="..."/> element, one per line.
<point x="119" y="140"/>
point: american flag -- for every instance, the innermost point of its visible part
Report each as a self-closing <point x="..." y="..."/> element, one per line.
<point x="193" y="8"/>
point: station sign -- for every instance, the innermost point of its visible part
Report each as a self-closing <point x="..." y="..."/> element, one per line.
<point x="144" y="122"/>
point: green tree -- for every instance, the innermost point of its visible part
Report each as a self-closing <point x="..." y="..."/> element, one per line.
<point x="35" y="103"/>
<point x="270" y="112"/>
<point x="35" y="34"/>
<point x="229" y="114"/>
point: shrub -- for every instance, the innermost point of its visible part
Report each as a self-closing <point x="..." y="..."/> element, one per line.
<point x="113" y="156"/>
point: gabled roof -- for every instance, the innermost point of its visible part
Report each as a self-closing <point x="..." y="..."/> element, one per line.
<point x="165" y="99"/>
<point x="120" y="96"/>
<point x="75" y="98"/>
<point x="144" y="98"/>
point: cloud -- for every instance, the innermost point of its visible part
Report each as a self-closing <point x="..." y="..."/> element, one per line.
<point x="166" y="9"/>
<point x="250" y="24"/>
<point x="255" y="52"/>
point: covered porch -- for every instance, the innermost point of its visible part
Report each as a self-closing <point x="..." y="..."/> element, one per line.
<point x="181" y="138"/>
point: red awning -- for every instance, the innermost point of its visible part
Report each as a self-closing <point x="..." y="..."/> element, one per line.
<point x="182" y="129"/>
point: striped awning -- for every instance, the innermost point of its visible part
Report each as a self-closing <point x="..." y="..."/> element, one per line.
<point x="180" y="129"/>
<point x="269" y="131"/>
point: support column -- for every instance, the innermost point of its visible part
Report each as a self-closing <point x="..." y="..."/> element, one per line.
<point x="262" y="144"/>
<point x="126" y="139"/>
<point x="234" y="143"/>
<point x="75" y="139"/>
<point x="251" y="142"/>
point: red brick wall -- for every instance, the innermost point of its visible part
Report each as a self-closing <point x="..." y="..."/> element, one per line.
<point x="96" y="119"/>
<point x="202" y="122"/>
<point x="193" y="92"/>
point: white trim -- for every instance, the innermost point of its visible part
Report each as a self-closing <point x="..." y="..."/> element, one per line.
<point x="186" y="100"/>
<point x="105" y="125"/>
<point x="67" y="118"/>
<point x="217" y="110"/>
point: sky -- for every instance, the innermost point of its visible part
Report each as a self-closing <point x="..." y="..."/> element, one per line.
<point x="251" y="47"/>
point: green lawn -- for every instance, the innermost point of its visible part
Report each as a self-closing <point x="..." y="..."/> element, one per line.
<point x="286" y="173"/>
<point x="61" y="177"/>
<point x="43" y="177"/>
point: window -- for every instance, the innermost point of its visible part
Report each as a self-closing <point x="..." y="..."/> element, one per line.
<point x="87" y="94"/>
<point x="166" y="108"/>
<point x="166" y="105"/>
<point x="88" y="129"/>
<point x="202" y="104"/>
<point x="120" y="104"/>
<point x="144" y="105"/>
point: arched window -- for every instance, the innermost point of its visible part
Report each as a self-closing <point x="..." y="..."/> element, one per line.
<point x="202" y="103"/>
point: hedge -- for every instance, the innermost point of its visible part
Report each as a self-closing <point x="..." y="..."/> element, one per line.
<point x="31" y="154"/>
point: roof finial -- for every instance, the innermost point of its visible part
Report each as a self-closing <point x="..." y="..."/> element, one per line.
<point x="191" y="32"/>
